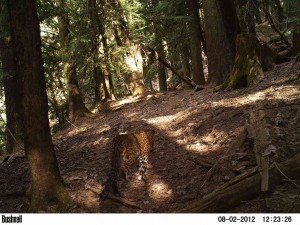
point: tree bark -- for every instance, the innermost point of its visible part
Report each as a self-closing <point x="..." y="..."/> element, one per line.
<point x="185" y="61"/>
<point x="295" y="40"/>
<point x="47" y="187"/>
<point x="222" y="27"/>
<point x="248" y="63"/>
<point x="76" y="106"/>
<point x="195" y="42"/>
<point x="162" y="76"/>
<point x="12" y="85"/>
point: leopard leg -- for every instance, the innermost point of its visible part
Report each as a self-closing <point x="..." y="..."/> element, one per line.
<point x="143" y="161"/>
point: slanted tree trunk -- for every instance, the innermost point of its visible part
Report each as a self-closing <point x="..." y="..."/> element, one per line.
<point x="222" y="27"/>
<point x="47" y="187"/>
<point x="76" y="105"/>
<point x="12" y="85"/>
<point x="195" y="42"/>
<point x="248" y="63"/>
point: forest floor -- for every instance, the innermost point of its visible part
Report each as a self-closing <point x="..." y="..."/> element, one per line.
<point x="194" y="131"/>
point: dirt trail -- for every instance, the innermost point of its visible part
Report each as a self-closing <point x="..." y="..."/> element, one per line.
<point x="194" y="130"/>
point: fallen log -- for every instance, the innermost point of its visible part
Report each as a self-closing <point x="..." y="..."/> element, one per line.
<point x="244" y="189"/>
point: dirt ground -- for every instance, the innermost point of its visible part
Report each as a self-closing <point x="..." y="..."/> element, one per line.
<point x="194" y="130"/>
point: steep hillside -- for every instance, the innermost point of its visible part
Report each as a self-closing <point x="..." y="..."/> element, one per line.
<point x="194" y="132"/>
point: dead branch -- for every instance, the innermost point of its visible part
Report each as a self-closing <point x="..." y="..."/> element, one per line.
<point x="273" y="26"/>
<point x="120" y="200"/>
<point x="242" y="189"/>
<point x="151" y="52"/>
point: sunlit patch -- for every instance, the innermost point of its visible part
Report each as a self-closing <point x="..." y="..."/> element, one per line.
<point x="162" y="119"/>
<point x="103" y="128"/>
<point x="77" y="130"/>
<point x="268" y="93"/>
<point x="123" y="102"/>
<point x="197" y="147"/>
<point x="167" y="119"/>
<point x="159" y="190"/>
<point x="132" y="115"/>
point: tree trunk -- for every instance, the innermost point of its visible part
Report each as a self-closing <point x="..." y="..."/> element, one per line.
<point x="133" y="56"/>
<point x="47" y="187"/>
<point x="295" y="40"/>
<point x="250" y="16"/>
<point x="109" y="92"/>
<point x="162" y="76"/>
<point x="97" y="77"/>
<point x="99" y="25"/>
<point x="248" y="63"/>
<point x="12" y="85"/>
<point x="134" y="62"/>
<point x="185" y="61"/>
<point x="195" y="42"/>
<point x="222" y="27"/>
<point x="76" y="105"/>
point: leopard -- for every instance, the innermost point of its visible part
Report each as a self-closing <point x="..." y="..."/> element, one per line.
<point x="126" y="150"/>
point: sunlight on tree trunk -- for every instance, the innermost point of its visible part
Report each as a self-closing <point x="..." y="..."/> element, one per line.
<point x="134" y="61"/>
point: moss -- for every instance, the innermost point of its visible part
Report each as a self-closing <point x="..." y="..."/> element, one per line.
<point x="247" y="65"/>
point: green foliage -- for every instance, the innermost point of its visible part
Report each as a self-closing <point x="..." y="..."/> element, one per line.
<point x="145" y="21"/>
